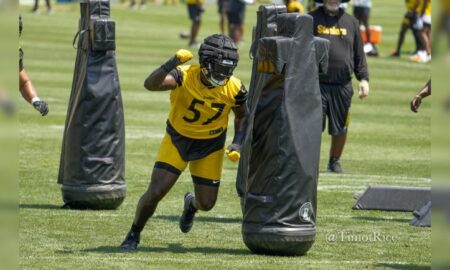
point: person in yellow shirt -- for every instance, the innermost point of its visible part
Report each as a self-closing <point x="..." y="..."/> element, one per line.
<point x="201" y="99"/>
<point x="423" y="24"/>
<point x="412" y="9"/>
<point x="294" y="6"/>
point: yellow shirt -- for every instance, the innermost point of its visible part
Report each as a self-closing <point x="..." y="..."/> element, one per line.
<point x="198" y="112"/>
<point x="410" y="5"/>
<point x="445" y="5"/>
<point x="195" y="2"/>
<point x="428" y="7"/>
<point x="295" y="6"/>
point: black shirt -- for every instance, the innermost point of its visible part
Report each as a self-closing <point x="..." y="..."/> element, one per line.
<point x="346" y="47"/>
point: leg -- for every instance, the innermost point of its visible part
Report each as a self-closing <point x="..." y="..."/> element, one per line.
<point x="401" y="38"/>
<point x="36" y="6"/>
<point x="194" y="31"/>
<point x="49" y="6"/>
<point x="337" y="145"/>
<point x="162" y="181"/>
<point x="206" y="173"/>
<point x="166" y="171"/>
<point x="339" y="107"/>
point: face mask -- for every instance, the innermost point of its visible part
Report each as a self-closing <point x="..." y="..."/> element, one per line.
<point x="218" y="74"/>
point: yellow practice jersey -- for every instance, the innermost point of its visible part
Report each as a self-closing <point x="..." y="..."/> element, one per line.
<point x="445" y="6"/>
<point x="411" y="4"/>
<point x="199" y="112"/>
<point x="295" y="6"/>
<point x="427" y="8"/>
<point x="195" y="2"/>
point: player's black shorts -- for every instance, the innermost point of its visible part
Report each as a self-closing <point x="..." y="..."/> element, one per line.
<point x="223" y="6"/>
<point x="336" y="101"/>
<point x="236" y="12"/>
<point x="195" y="12"/>
<point x="361" y="12"/>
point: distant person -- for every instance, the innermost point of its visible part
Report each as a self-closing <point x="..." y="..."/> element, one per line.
<point x="417" y="100"/>
<point x="133" y="4"/>
<point x="223" y="9"/>
<point x="361" y="11"/>
<point x="26" y="87"/>
<point x="412" y="7"/>
<point x="294" y="6"/>
<point x="236" y="16"/>
<point x="423" y="24"/>
<point x="36" y="6"/>
<point x="346" y="56"/>
<point x="195" y="10"/>
<point x="201" y="98"/>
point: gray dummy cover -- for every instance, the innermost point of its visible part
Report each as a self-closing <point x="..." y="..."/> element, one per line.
<point x="278" y="171"/>
<point x="92" y="162"/>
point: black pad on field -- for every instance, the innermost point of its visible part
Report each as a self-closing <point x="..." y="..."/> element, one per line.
<point x="278" y="169"/>
<point x="92" y="162"/>
<point x="393" y="198"/>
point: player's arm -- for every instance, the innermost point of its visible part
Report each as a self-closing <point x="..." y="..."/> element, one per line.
<point x="160" y="79"/>
<point x="240" y="124"/>
<point x="417" y="100"/>
<point x="29" y="93"/>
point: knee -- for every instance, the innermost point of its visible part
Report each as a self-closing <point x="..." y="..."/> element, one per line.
<point x="205" y="204"/>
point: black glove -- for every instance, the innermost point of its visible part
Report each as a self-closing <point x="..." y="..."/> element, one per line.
<point x="41" y="106"/>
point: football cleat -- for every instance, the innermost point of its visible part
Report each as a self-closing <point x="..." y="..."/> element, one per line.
<point x="187" y="218"/>
<point x="131" y="241"/>
<point x="334" y="166"/>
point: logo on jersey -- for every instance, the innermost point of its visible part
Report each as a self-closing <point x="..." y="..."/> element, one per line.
<point x="334" y="31"/>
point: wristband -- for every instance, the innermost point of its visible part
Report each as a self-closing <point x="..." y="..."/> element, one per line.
<point x="172" y="63"/>
<point x="419" y="97"/>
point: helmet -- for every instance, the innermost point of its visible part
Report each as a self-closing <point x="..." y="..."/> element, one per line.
<point x="218" y="58"/>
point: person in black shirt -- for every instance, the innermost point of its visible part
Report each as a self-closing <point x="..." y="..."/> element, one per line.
<point x="346" y="56"/>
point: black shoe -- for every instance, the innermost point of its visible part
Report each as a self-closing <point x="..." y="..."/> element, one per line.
<point x="187" y="218"/>
<point x="131" y="242"/>
<point x="334" y="166"/>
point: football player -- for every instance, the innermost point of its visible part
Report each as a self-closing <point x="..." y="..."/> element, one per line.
<point x="201" y="98"/>
<point x="412" y="8"/>
<point x="26" y="86"/>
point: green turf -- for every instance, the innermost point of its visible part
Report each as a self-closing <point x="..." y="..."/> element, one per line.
<point x="387" y="144"/>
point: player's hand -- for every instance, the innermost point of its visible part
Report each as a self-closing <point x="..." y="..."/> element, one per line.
<point x="183" y="56"/>
<point x="41" y="106"/>
<point x="415" y="103"/>
<point x="363" y="89"/>
<point x="233" y="152"/>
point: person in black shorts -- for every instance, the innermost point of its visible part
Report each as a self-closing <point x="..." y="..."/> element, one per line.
<point x="361" y="11"/>
<point x="195" y="10"/>
<point x="222" y="9"/>
<point x="236" y="14"/>
<point x="346" y="56"/>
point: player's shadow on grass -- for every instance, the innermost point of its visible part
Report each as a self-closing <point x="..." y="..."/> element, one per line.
<point x="40" y="206"/>
<point x="369" y="218"/>
<point x="172" y="248"/>
<point x="403" y="266"/>
<point x="201" y="218"/>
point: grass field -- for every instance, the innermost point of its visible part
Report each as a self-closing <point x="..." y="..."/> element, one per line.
<point x="387" y="145"/>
